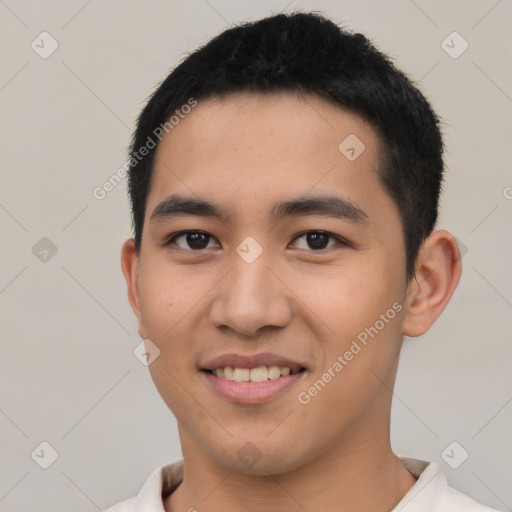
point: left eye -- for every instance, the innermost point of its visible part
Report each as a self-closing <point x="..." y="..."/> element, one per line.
<point x="317" y="240"/>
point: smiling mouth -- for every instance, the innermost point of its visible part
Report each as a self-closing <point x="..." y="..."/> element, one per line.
<point x="258" y="374"/>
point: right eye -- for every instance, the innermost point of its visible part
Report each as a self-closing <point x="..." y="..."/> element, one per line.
<point x="190" y="240"/>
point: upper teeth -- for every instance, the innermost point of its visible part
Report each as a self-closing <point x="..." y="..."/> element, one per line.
<point x="259" y="374"/>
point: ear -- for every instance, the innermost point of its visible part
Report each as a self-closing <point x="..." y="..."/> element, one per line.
<point x="130" y="268"/>
<point x="437" y="273"/>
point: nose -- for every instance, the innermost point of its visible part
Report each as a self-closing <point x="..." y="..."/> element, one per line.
<point x="251" y="298"/>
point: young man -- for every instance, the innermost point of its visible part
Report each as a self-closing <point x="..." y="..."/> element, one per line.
<point x="284" y="184"/>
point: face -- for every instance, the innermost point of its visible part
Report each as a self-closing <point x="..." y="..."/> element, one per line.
<point x="267" y="244"/>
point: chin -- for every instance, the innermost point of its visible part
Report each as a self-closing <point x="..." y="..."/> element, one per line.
<point x="259" y="458"/>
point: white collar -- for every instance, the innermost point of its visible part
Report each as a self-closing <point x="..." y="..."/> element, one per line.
<point x="430" y="493"/>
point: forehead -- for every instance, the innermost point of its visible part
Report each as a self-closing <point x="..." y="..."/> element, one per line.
<point x="250" y="149"/>
<point x="250" y="124"/>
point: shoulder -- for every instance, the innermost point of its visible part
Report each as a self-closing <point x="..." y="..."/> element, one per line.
<point x="431" y="492"/>
<point x="453" y="500"/>
<point x="124" y="506"/>
<point x="160" y="483"/>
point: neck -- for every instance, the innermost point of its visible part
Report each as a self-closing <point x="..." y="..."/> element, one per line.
<point x="357" y="479"/>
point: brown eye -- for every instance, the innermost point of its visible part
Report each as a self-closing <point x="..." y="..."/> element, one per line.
<point x="317" y="240"/>
<point x="191" y="240"/>
<point x="197" y="240"/>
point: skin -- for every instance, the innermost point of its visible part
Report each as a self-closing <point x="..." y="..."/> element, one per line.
<point x="245" y="153"/>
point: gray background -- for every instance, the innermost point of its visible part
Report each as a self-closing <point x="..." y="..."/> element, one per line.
<point x="68" y="375"/>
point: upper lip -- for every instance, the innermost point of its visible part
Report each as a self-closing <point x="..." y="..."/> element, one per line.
<point x="237" y="360"/>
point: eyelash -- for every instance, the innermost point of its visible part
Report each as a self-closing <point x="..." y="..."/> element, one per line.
<point x="340" y="242"/>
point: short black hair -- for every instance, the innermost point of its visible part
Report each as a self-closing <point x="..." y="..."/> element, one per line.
<point x="305" y="53"/>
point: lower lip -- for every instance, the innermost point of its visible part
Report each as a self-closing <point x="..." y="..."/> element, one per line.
<point x="251" y="392"/>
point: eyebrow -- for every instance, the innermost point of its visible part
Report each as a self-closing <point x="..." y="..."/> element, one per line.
<point x="330" y="206"/>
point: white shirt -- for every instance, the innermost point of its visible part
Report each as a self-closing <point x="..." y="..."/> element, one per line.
<point x="430" y="493"/>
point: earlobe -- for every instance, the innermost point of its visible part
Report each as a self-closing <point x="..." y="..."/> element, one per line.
<point x="437" y="273"/>
<point x="129" y="266"/>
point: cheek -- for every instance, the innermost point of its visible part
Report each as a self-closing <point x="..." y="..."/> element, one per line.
<point x="361" y="306"/>
<point x="165" y="298"/>
<point x="347" y="298"/>
<point x="166" y="301"/>
<point x="167" y="305"/>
